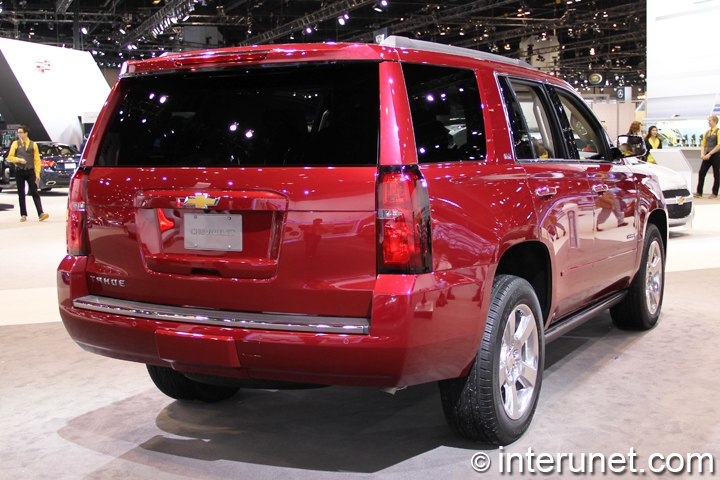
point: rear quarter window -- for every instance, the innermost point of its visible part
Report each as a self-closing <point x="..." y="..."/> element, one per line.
<point x="312" y="114"/>
<point x="446" y="113"/>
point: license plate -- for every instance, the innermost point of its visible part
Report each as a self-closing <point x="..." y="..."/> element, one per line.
<point x="213" y="232"/>
<point x="70" y="166"/>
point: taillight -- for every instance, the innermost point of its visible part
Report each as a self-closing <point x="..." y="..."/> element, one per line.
<point x="76" y="229"/>
<point x="403" y="221"/>
<point x="47" y="163"/>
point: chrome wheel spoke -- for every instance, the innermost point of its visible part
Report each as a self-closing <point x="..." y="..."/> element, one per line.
<point x="511" y="401"/>
<point x="529" y="375"/>
<point x="526" y="328"/>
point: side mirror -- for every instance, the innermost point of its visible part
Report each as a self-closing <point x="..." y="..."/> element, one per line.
<point x="631" y="145"/>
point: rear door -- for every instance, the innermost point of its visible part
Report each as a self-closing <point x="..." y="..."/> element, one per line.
<point x="560" y="187"/>
<point x="246" y="189"/>
<point x="615" y="196"/>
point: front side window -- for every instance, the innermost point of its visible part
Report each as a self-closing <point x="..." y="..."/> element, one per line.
<point x="446" y="113"/>
<point x="312" y="114"/>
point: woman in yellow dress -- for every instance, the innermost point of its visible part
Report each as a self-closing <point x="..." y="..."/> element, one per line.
<point x="652" y="141"/>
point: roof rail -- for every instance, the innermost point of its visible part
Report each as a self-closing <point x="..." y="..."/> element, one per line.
<point x="404" y="42"/>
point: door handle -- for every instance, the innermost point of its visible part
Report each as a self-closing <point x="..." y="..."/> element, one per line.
<point x="545" y="191"/>
<point x="600" y="188"/>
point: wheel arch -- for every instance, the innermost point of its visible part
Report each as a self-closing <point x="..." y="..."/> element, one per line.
<point x="659" y="219"/>
<point x="531" y="261"/>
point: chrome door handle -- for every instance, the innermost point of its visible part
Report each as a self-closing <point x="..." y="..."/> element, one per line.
<point x="545" y="191"/>
<point x="600" y="188"/>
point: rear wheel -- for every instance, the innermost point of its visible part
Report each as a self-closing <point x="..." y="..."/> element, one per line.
<point x="495" y="403"/>
<point x="176" y="385"/>
<point x="640" y="309"/>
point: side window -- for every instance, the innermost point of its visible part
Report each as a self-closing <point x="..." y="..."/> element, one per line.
<point x="584" y="129"/>
<point x="446" y="113"/>
<point x="529" y="120"/>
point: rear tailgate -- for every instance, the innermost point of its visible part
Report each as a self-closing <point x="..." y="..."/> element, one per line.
<point x="248" y="190"/>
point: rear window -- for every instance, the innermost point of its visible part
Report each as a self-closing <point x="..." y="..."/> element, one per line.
<point x="313" y="114"/>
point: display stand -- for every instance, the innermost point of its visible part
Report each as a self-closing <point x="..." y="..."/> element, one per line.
<point x="674" y="159"/>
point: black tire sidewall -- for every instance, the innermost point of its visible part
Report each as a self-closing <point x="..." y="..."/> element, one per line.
<point x="652" y="235"/>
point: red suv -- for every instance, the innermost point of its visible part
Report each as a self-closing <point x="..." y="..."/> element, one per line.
<point x="345" y="214"/>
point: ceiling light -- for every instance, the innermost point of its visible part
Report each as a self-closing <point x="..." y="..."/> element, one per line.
<point x="121" y="30"/>
<point x="341" y="20"/>
<point x="84" y="30"/>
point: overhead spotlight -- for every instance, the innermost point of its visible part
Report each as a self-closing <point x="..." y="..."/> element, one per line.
<point x="84" y="30"/>
<point x="341" y="20"/>
<point x="122" y="30"/>
<point x="380" y="5"/>
<point x="185" y="18"/>
<point x="308" y="30"/>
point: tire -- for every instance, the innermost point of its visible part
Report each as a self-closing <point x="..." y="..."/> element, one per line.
<point x="479" y="406"/>
<point x="175" y="385"/>
<point x="640" y="309"/>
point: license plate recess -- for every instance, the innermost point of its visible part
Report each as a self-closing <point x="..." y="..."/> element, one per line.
<point x="213" y="232"/>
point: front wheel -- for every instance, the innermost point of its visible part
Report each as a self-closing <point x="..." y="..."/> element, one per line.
<point x="495" y="403"/>
<point x="176" y="385"/>
<point x="640" y="309"/>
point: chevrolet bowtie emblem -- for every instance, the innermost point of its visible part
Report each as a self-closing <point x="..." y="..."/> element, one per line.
<point x="201" y="201"/>
<point x="680" y="200"/>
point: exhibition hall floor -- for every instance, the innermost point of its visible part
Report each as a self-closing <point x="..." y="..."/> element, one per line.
<point x="68" y="414"/>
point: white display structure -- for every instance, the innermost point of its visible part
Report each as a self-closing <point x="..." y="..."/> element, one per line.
<point x="683" y="61"/>
<point x="61" y="85"/>
<point x="675" y="160"/>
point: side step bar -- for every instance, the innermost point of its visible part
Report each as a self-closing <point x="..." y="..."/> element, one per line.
<point x="561" y="328"/>
<point x="223" y="318"/>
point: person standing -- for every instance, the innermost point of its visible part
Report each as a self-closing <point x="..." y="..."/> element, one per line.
<point x="26" y="157"/>
<point x="652" y="142"/>
<point x="710" y="155"/>
<point x="635" y="129"/>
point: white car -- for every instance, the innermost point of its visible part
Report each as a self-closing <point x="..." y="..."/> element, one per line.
<point x="678" y="198"/>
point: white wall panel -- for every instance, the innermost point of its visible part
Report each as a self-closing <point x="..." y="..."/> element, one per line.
<point x="683" y="57"/>
<point x="60" y="83"/>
